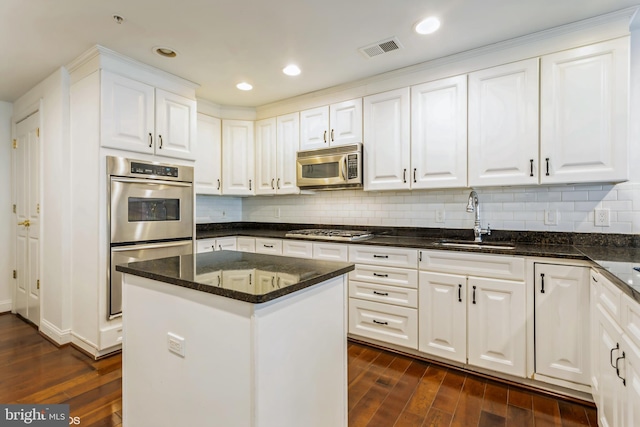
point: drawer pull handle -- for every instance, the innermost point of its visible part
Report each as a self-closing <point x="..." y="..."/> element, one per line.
<point x="273" y="186"/>
<point x="382" y="294"/>
<point x="150" y="140"/>
<point x="617" y="347"/>
<point x="474" y="295"/>
<point x="380" y="323"/>
<point x="594" y="279"/>
<point x="381" y="256"/>
<point x="268" y="246"/>
<point x="160" y="138"/>
<point x="404" y="176"/>
<point x="547" y="160"/>
<point x="531" y="173"/>
<point x="219" y="281"/>
<point x="459" y="293"/>
<point x="380" y="275"/>
<point x="624" y="381"/>
<point x="542" y="283"/>
<point x="324" y="137"/>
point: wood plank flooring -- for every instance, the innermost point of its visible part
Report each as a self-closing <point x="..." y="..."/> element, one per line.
<point x="385" y="389"/>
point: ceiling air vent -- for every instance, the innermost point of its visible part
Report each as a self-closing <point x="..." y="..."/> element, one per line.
<point x="381" y="47"/>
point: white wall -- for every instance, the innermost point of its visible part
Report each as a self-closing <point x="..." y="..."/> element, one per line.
<point x="51" y="96"/>
<point x="6" y="217"/>
<point x="218" y="209"/>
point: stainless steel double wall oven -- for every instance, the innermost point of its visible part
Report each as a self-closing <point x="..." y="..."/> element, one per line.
<point x="150" y="212"/>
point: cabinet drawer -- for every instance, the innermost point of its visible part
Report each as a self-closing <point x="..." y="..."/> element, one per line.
<point x="383" y="293"/>
<point x="268" y="246"/>
<point x="205" y="245"/>
<point x="381" y="255"/>
<point x="609" y="296"/>
<point x="384" y="322"/>
<point x="385" y="275"/>
<point x="297" y="248"/>
<point x="498" y="266"/>
<point x="246" y="244"/>
<point x="331" y="251"/>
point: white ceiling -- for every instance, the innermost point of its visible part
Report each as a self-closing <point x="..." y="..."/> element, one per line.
<point x="223" y="42"/>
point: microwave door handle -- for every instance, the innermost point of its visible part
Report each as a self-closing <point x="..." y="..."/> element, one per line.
<point x="344" y="168"/>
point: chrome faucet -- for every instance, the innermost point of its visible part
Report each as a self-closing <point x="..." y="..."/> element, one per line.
<point x="473" y="205"/>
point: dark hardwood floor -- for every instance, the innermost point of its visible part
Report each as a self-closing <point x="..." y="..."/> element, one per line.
<point x="385" y="389"/>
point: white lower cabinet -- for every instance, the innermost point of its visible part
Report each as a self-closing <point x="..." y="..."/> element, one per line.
<point x="561" y="295"/>
<point x="384" y="322"/>
<point x="220" y="244"/>
<point x="268" y="246"/>
<point x="469" y="319"/>
<point x="297" y="248"/>
<point x="331" y="251"/>
<point x="246" y="244"/>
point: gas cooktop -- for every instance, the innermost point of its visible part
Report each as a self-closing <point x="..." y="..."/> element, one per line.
<point x="329" y="234"/>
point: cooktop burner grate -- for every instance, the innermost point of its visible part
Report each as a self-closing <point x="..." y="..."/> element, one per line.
<point x="331" y="234"/>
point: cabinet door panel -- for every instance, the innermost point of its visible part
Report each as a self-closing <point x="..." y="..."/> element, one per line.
<point x="266" y="154"/>
<point x="503" y="125"/>
<point x="288" y="136"/>
<point x="632" y="387"/>
<point x="175" y="125"/>
<point x="127" y="109"/>
<point x="442" y="322"/>
<point x="345" y="121"/>
<point x="238" y="154"/>
<point x="584" y="102"/>
<point x="314" y="128"/>
<point x="384" y="322"/>
<point x="439" y="134"/>
<point x="561" y="319"/>
<point x="497" y="330"/>
<point x="207" y="173"/>
<point x="608" y="336"/>
<point x="387" y="141"/>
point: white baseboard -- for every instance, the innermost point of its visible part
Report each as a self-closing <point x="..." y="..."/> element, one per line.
<point x="5" y="305"/>
<point x="57" y="335"/>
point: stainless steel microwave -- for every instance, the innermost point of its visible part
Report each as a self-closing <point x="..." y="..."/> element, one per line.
<point x="330" y="168"/>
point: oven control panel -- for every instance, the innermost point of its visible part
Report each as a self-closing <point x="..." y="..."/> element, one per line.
<point x="158" y="170"/>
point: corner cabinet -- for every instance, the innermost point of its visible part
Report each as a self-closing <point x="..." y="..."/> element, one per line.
<point x="503" y="125"/>
<point x="387" y="140"/>
<point x="141" y="118"/>
<point x="238" y="158"/>
<point x="584" y="113"/>
<point x="208" y="172"/>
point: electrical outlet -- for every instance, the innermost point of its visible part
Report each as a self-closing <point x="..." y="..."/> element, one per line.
<point x="175" y="344"/>
<point x="440" y="214"/>
<point x="276" y="212"/>
<point x="602" y="218"/>
<point x="551" y="217"/>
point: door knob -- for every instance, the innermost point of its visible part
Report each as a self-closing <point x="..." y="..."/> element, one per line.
<point x="26" y="223"/>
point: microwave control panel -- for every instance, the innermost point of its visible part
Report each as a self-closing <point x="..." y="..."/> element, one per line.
<point x="158" y="170"/>
<point x="352" y="166"/>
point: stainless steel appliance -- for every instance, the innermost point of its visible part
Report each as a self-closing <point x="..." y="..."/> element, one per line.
<point x="150" y="213"/>
<point x="329" y="234"/>
<point x="330" y="168"/>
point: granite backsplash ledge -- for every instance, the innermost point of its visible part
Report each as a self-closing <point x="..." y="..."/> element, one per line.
<point x="524" y="237"/>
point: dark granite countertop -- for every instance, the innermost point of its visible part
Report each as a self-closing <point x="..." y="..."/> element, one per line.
<point x="238" y="275"/>
<point x="614" y="254"/>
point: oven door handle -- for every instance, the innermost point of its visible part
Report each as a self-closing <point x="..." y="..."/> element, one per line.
<point x="151" y="245"/>
<point x="151" y="181"/>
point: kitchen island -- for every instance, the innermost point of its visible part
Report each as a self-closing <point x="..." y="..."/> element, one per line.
<point x="234" y="339"/>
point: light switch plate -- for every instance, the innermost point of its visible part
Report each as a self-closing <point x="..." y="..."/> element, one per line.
<point x="551" y="217"/>
<point x="440" y="215"/>
<point x="175" y="344"/>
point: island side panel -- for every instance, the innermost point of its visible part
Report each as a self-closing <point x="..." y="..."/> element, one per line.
<point x="212" y="384"/>
<point x="301" y="358"/>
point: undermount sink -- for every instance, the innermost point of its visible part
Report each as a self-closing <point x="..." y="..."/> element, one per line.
<point x="475" y="245"/>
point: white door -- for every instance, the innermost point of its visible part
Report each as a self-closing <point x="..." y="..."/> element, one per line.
<point x="442" y="318"/>
<point x="127" y="114"/>
<point x="497" y="325"/>
<point x="439" y="134"/>
<point x="207" y="174"/>
<point x="345" y="122"/>
<point x="561" y="319"/>
<point x="609" y="349"/>
<point x="314" y="128"/>
<point x="27" y="179"/>
<point x="632" y="387"/>
<point x="503" y="125"/>
<point x="584" y="110"/>
<point x="175" y="125"/>
<point x="288" y="135"/>
<point x="387" y="144"/>
<point x="266" y="153"/>
<point x="238" y="154"/>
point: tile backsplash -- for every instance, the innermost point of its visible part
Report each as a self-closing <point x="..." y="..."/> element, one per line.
<point x="505" y="208"/>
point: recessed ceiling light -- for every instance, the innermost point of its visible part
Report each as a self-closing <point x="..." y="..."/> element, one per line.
<point x="291" y="70"/>
<point x="428" y="25"/>
<point x="167" y="52"/>
<point x="244" y="86"/>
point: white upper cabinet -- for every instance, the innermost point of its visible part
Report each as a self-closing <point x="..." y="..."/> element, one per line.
<point x="439" y="134"/>
<point x="584" y="110"/>
<point x="138" y="117"/>
<point x="329" y="126"/>
<point x="207" y="173"/>
<point x="387" y="143"/>
<point x="238" y="157"/>
<point x="266" y="154"/>
<point x="503" y="125"/>
<point x="288" y="143"/>
<point x="277" y="141"/>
